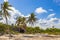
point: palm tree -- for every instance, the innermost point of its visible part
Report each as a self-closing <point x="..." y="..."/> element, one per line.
<point x="52" y="26"/>
<point x="32" y="19"/>
<point x="21" y="23"/>
<point x="24" y="22"/>
<point x="5" y="7"/>
<point x="1" y="15"/>
<point x="18" y="22"/>
<point x="0" y="12"/>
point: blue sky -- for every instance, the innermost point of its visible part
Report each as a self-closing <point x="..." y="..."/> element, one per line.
<point x="43" y="9"/>
<point x="28" y="6"/>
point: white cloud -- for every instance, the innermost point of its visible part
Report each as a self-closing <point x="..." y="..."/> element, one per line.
<point x="50" y="9"/>
<point x="51" y="15"/>
<point x="5" y="0"/>
<point x="45" y="23"/>
<point x="27" y="16"/>
<point x="40" y="10"/>
<point x="53" y="19"/>
<point x="53" y="22"/>
<point x="14" y="14"/>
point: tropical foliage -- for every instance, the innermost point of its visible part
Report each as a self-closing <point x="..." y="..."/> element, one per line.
<point x="32" y="19"/>
<point x="4" y="10"/>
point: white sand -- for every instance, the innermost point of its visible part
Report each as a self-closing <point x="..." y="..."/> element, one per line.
<point x="30" y="37"/>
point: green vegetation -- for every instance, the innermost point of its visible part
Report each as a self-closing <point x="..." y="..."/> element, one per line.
<point x="32" y="30"/>
<point x="29" y="30"/>
<point x="54" y="31"/>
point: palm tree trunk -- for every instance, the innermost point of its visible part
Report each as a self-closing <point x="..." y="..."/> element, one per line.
<point x="6" y="20"/>
<point x="32" y="24"/>
<point x="8" y="30"/>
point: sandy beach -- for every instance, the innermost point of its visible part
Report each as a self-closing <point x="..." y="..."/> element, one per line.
<point x="30" y="37"/>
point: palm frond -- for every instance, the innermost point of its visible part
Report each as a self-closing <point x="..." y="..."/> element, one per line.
<point x="0" y="12"/>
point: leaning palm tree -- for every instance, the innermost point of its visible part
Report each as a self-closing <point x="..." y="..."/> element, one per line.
<point x="32" y="19"/>
<point x="18" y="22"/>
<point x="21" y="23"/>
<point x="24" y="22"/>
<point x="5" y="7"/>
